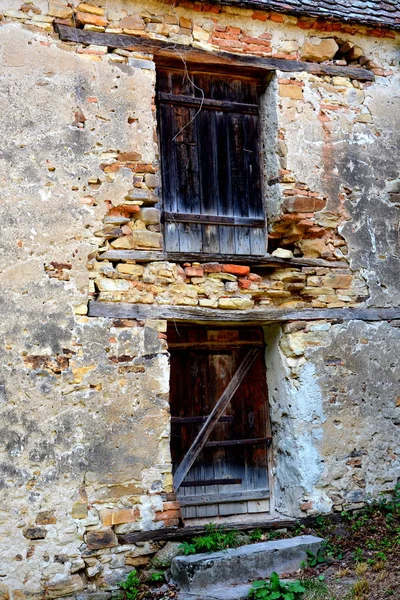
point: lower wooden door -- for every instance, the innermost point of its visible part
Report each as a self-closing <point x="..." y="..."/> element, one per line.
<point x="230" y="475"/>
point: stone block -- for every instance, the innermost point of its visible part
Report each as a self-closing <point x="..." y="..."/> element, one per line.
<point x="105" y="538"/>
<point x="170" y="551"/>
<point x="127" y="269"/>
<point x="318" y="50"/>
<point x="223" y="276"/>
<point x="239" y="565"/>
<point x="59" y="10"/>
<point x="141" y="238"/>
<point x="150" y="216"/>
<point x="282" y="253"/>
<point x="338" y="281"/>
<point x="91" y="8"/>
<point x="34" y="533"/>
<point x="112" y="285"/>
<point x="79" y="510"/>
<point x="45" y="517"/>
<point x="4" y="593"/>
<point x="295" y="92"/>
<point x="354" y="53"/>
<point x="61" y="586"/>
<point x="144" y="196"/>
<point x="235" y="303"/>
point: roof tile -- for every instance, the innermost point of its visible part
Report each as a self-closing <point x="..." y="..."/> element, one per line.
<point x="384" y="13"/>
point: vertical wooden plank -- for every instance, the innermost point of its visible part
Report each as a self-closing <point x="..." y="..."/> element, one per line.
<point x="208" y="159"/>
<point x="238" y="186"/>
<point x="252" y="171"/>
<point x="224" y="178"/>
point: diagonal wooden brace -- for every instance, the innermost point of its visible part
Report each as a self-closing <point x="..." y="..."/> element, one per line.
<point x="213" y="417"/>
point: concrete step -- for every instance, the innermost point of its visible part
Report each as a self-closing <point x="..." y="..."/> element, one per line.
<point x="198" y="572"/>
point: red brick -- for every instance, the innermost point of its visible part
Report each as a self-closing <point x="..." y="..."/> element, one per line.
<point x="229" y="44"/>
<point x="225" y="36"/>
<point x="129" y="156"/>
<point x="254" y="277"/>
<point x="285" y="56"/>
<point x="278" y="18"/>
<point x="133" y="22"/>
<point x="253" y="40"/>
<point x="261" y="50"/>
<point x="236" y="269"/>
<point x="194" y="271"/>
<point x="244" y="284"/>
<point x="306" y="23"/>
<point x="235" y="30"/>
<point x="260" y="16"/>
<point x="290" y="82"/>
<point x="212" y="268"/>
<point x="142" y="168"/>
<point x="171" y="522"/>
<point x="303" y="204"/>
<point x="118" y="516"/>
<point x="168" y="514"/>
<point x="88" y="19"/>
<point x="175" y="505"/>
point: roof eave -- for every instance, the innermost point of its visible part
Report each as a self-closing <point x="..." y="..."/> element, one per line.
<point x="315" y="13"/>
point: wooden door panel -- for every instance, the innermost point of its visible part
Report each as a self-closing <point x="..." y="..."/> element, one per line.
<point x="199" y="375"/>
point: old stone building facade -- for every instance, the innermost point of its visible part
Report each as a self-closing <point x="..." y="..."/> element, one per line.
<point x="135" y="287"/>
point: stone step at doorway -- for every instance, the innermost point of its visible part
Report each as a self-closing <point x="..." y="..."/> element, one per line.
<point x="204" y="573"/>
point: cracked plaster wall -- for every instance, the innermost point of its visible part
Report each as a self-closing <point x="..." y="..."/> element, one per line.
<point x="334" y="397"/>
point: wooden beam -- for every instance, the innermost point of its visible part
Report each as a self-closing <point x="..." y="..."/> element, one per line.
<point x="176" y="217"/>
<point x="213" y="418"/>
<point x="207" y="482"/>
<point x="248" y="442"/>
<point x="228" y="345"/>
<point x="225" y="105"/>
<point x="173" y="533"/>
<point x="199" y="499"/>
<point x="166" y="49"/>
<point x="195" y="314"/>
<point x="255" y="261"/>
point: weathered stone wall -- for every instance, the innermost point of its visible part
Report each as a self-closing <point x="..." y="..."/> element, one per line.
<point x="84" y="401"/>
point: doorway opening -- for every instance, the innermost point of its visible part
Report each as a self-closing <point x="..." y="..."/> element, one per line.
<point x="220" y="426"/>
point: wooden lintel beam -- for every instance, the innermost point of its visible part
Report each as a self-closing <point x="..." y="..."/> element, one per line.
<point x="166" y="49"/>
<point x="173" y="533"/>
<point x="268" y="260"/>
<point x="196" y="314"/>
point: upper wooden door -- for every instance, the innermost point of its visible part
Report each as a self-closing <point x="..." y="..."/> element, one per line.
<point x="230" y="475"/>
<point x="210" y="161"/>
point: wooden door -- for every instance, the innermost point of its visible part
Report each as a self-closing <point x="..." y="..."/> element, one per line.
<point x="230" y="474"/>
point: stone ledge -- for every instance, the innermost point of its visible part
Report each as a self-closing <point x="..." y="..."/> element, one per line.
<point x="240" y="565"/>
